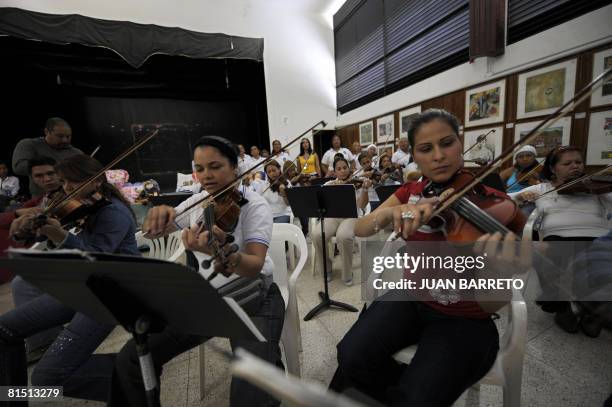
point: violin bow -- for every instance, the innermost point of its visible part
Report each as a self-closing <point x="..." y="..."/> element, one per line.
<point x="384" y="154"/>
<point x="479" y="139"/>
<point x="574" y="182"/>
<point x="524" y="177"/>
<point x="549" y="121"/>
<point x="107" y="167"/>
<point x="227" y="187"/>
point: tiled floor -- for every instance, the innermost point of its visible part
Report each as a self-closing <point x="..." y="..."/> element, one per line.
<point x="560" y="369"/>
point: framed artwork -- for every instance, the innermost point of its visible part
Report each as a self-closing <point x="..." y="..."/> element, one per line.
<point x="485" y="104"/>
<point x="599" y="147"/>
<point x="381" y="149"/>
<point x="366" y="133"/>
<point x="483" y="150"/>
<point x="384" y="126"/>
<point x="405" y="118"/>
<point x="549" y="138"/>
<point x="602" y="61"/>
<point x="542" y="91"/>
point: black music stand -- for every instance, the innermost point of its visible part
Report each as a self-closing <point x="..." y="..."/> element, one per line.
<point x="143" y="295"/>
<point x="336" y="201"/>
<point x="385" y="191"/>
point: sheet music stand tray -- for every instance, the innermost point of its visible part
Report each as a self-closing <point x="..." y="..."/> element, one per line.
<point x="143" y="295"/>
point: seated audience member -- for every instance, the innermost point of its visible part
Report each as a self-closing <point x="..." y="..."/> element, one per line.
<point x="402" y="157"/>
<point x="565" y="217"/>
<point x="256" y="158"/>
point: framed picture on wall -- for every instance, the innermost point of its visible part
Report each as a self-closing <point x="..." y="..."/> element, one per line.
<point x="382" y="148"/>
<point x="542" y="91"/>
<point x="483" y="150"/>
<point x="485" y="104"/>
<point x="405" y="118"/>
<point x="599" y="146"/>
<point x="384" y="126"/>
<point x="366" y="133"/>
<point x="549" y="138"/>
<point x="602" y="61"/>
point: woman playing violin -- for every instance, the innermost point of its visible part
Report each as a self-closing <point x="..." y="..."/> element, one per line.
<point x="371" y="173"/>
<point x="341" y="228"/>
<point x="216" y="161"/>
<point x="570" y="217"/>
<point x="391" y="175"/>
<point x="457" y="339"/>
<point x="518" y="176"/>
<point x="275" y="192"/>
<point x="69" y="362"/>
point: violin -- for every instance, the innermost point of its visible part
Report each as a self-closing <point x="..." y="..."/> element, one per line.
<point x="222" y="212"/>
<point x="595" y="185"/>
<point x="72" y="213"/>
<point x="476" y="212"/>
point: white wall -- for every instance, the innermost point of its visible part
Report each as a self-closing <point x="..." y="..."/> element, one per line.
<point x="582" y="33"/>
<point x="298" y="45"/>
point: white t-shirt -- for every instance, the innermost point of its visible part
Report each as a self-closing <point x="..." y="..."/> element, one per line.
<point x="400" y="157"/>
<point x="255" y="161"/>
<point x="244" y="164"/>
<point x="277" y="203"/>
<point x="281" y="158"/>
<point x="328" y="157"/>
<point x="254" y="225"/>
<point x="574" y="215"/>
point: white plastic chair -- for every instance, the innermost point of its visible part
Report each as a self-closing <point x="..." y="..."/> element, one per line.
<point x="287" y="284"/>
<point x="507" y="371"/>
<point x="532" y="224"/>
<point x="164" y="248"/>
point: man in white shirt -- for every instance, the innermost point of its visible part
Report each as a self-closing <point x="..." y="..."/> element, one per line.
<point x="402" y="156"/>
<point x="328" y="158"/>
<point x="9" y="185"/>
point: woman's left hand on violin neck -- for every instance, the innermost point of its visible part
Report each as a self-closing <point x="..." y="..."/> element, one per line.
<point x="52" y="229"/>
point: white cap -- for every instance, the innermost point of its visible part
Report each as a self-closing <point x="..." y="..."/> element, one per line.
<point x="526" y="149"/>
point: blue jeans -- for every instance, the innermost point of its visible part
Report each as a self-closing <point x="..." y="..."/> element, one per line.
<point x="23" y="293"/>
<point x="282" y="219"/>
<point x="69" y="361"/>
<point x="374" y="205"/>
<point x="453" y="353"/>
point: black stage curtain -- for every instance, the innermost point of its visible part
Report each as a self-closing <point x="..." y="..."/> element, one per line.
<point x="135" y="43"/>
<point x="110" y="103"/>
